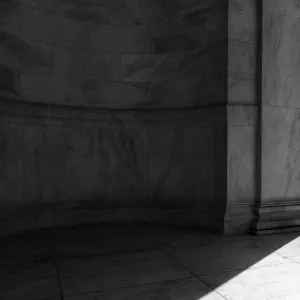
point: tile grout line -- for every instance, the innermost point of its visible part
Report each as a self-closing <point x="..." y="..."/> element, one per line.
<point x="192" y="273"/>
<point x="128" y="287"/>
<point x="58" y="276"/>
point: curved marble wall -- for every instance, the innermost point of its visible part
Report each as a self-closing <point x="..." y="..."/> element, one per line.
<point x="89" y="113"/>
<point x="118" y="54"/>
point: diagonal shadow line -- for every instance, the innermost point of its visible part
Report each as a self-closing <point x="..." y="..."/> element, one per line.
<point x="215" y="266"/>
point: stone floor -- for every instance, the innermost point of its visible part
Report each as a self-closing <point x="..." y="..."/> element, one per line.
<point x="142" y="262"/>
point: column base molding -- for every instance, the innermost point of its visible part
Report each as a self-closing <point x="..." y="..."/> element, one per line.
<point x="276" y="217"/>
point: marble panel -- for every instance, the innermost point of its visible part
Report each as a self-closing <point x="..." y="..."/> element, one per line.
<point x="47" y="6"/>
<point x="152" y="39"/>
<point x="25" y="54"/>
<point x="9" y="82"/>
<point x="52" y="89"/>
<point x="280" y="153"/>
<point x="118" y="95"/>
<point x="188" y="289"/>
<point x="10" y="16"/>
<point x="125" y="156"/>
<point x="242" y="20"/>
<point x="174" y="66"/>
<point x="241" y="6"/>
<point x="208" y="90"/>
<point x="242" y="88"/>
<point x="11" y="164"/>
<point x="241" y="165"/>
<point x="54" y="29"/>
<point x="120" y="39"/>
<point x="181" y="162"/>
<point x="241" y="57"/>
<point x="151" y="12"/>
<point x="64" y="163"/>
<point x="102" y="273"/>
<point x="79" y="64"/>
<point x="103" y="11"/>
<point x="284" y="7"/>
<point x="281" y="62"/>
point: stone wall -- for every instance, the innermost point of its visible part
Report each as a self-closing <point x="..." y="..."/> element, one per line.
<point x="102" y="112"/>
<point x="280" y="169"/>
<point x="118" y="54"/>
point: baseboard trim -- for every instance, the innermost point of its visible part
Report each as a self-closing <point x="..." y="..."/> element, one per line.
<point x="174" y="212"/>
<point x="276" y="217"/>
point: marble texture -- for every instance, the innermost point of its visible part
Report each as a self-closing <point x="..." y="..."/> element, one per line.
<point x="241" y="165"/>
<point x="242" y="88"/>
<point x="269" y="282"/>
<point x="91" y="53"/>
<point x="280" y="118"/>
<point x="81" y="64"/>
<point x="125" y="54"/>
<point x="173" y="67"/>
<point x="208" y="89"/>
<point x="242" y="20"/>
<point x="181" y="164"/>
<point x="241" y="57"/>
<point x="280" y="153"/>
<point x="104" y="11"/>
<point x="152" y="39"/>
<point x="199" y="260"/>
<point x="159" y="12"/>
<point x="54" y="29"/>
<point x="242" y="48"/>
<point x="281" y="78"/>
<point x="283" y="7"/>
<point x="63" y="162"/>
<point x="53" y="89"/>
<point x="25" y="54"/>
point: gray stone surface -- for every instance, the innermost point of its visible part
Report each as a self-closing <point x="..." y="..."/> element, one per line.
<point x="149" y="66"/>
<point x="92" y="49"/>
<point x="105" y="262"/>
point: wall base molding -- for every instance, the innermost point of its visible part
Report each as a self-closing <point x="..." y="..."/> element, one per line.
<point x="277" y="217"/>
<point x="189" y="213"/>
<point x="238" y="219"/>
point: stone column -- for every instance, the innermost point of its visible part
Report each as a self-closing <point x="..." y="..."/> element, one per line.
<point x="279" y="207"/>
<point x="241" y="111"/>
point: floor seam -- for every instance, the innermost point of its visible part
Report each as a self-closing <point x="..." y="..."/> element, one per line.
<point x="129" y="286"/>
<point x="193" y="274"/>
<point x="58" y="276"/>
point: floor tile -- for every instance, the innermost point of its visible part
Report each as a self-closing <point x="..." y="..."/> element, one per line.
<point x="102" y="273"/>
<point x="276" y="282"/>
<point x="184" y="289"/>
<point x="32" y="282"/>
<point x="290" y="248"/>
<point x="218" y="258"/>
